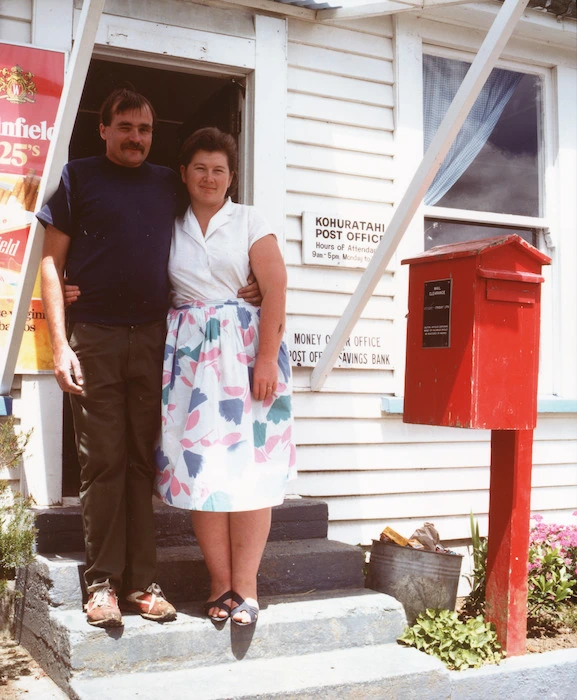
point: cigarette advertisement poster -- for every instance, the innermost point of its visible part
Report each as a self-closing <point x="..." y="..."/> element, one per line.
<point x="31" y="82"/>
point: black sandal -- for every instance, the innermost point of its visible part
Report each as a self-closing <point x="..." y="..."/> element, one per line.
<point x="244" y="606"/>
<point x="219" y="603"/>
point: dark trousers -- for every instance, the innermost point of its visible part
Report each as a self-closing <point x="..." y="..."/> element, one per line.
<point x="116" y="421"/>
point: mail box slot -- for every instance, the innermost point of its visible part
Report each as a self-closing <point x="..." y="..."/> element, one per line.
<point x="517" y="292"/>
<point x="473" y="335"/>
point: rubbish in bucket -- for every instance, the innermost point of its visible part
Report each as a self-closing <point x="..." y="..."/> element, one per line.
<point x="417" y="578"/>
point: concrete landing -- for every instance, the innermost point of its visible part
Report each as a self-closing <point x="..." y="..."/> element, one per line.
<point x="386" y="672"/>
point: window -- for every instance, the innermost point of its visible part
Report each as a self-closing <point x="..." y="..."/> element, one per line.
<point x="490" y="182"/>
<point x="442" y="232"/>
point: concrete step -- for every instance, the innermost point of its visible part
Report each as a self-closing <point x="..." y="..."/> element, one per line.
<point x="287" y="567"/>
<point x="380" y="671"/>
<point x="60" y="528"/>
<point x="69" y="649"/>
<point x="386" y="672"/>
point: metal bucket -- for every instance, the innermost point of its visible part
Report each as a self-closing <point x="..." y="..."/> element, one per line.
<point x="416" y="578"/>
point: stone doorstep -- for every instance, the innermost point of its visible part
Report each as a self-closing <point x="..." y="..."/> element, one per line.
<point x="287" y="567"/>
<point x="68" y="648"/>
<point x="60" y="527"/>
<point x="386" y="672"/>
<point x="378" y="671"/>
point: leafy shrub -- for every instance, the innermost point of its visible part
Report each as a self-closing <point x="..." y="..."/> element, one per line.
<point x="551" y="569"/>
<point x="457" y="644"/>
<point x="12" y="446"/>
<point x="17" y="531"/>
<point x="552" y="565"/>
<point x="17" y="537"/>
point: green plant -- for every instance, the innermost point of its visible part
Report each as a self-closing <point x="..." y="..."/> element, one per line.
<point x="550" y="582"/>
<point x="17" y="531"/>
<point x="475" y="602"/>
<point x="551" y="568"/>
<point x="12" y="445"/>
<point x="457" y="644"/>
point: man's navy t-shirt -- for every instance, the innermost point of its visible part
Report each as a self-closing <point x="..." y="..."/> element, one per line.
<point x="120" y="223"/>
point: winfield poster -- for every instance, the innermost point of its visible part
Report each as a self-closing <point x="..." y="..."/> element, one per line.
<point x="31" y="82"/>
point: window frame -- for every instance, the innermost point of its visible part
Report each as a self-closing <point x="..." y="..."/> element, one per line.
<point x="542" y="223"/>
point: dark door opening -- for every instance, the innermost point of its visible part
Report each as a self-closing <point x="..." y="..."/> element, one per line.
<point x="183" y="102"/>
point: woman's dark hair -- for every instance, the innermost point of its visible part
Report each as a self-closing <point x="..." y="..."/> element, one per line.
<point x="209" y="139"/>
<point x="124" y="99"/>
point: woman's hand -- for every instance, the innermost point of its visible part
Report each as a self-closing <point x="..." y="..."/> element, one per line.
<point x="71" y="293"/>
<point x="264" y="378"/>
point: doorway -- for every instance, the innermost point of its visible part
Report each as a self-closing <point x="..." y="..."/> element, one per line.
<point x="184" y="102"/>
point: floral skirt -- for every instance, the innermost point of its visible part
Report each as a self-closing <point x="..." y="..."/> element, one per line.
<point x="219" y="449"/>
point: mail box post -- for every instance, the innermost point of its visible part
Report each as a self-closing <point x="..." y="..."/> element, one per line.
<point x="508" y="552"/>
<point x="472" y="362"/>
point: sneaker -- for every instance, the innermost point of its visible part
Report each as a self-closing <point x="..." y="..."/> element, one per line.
<point x="151" y="604"/>
<point x="102" y="606"/>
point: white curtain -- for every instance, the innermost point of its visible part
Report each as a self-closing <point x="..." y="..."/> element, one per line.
<point x="441" y="80"/>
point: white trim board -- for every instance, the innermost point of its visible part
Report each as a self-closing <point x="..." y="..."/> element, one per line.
<point x="166" y="40"/>
<point x="393" y="405"/>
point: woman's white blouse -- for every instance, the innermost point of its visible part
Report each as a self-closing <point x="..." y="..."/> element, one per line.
<point x="215" y="266"/>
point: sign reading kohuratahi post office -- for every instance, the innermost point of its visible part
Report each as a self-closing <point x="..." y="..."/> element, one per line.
<point x="340" y="241"/>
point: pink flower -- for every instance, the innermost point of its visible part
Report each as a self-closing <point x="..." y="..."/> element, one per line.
<point x="538" y="517"/>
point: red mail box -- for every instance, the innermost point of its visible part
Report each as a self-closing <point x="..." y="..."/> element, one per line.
<point x="473" y="335"/>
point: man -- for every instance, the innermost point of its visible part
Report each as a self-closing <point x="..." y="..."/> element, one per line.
<point x="108" y="230"/>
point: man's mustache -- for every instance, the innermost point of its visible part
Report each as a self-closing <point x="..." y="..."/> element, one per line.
<point x="132" y="147"/>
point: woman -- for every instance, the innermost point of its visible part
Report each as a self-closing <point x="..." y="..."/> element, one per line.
<point x="226" y="448"/>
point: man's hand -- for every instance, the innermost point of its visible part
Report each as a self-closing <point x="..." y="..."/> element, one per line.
<point x="67" y="371"/>
<point x="251" y="292"/>
<point x="71" y="293"/>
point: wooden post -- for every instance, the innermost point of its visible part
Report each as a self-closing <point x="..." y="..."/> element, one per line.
<point x="508" y="544"/>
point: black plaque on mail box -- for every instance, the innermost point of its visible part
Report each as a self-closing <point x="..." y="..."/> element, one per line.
<point x="437" y="314"/>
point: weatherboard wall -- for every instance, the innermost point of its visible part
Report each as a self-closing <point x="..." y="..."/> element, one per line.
<point x="350" y="137"/>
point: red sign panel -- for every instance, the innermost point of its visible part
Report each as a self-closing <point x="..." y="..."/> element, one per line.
<point x="31" y="82"/>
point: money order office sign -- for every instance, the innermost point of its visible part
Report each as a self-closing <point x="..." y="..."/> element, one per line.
<point x="31" y="82"/>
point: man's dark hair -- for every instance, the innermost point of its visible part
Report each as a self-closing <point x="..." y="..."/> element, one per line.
<point x="209" y="139"/>
<point x="124" y="99"/>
